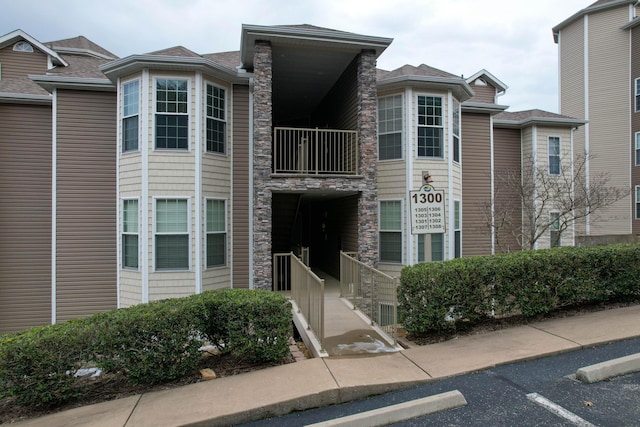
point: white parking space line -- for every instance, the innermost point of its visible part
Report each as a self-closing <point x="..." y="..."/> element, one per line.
<point x="558" y="410"/>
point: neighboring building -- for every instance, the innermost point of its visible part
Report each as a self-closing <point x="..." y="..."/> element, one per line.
<point x="599" y="80"/>
<point x="127" y="180"/>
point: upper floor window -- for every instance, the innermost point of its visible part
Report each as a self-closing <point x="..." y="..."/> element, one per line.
<point x="130" y="115"/>
<point x="430" y="126"/>
<point x="130" y="233"/>
<point x="637" y="95"/>
<point x="216" y="120"/>
<point x="390" y="127"/>
<point x="456" y="131"/>
<point x="23" y="47"/>
<point x="391" y="231"/>
<point x="554" y="155"/>
<point x="637" y="151"/>
<point x="172" y="117"/>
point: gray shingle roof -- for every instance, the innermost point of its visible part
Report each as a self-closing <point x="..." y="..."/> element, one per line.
<point x="410" y="70"/>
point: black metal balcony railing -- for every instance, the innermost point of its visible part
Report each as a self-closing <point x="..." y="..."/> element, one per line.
<point x="315" y="151"/>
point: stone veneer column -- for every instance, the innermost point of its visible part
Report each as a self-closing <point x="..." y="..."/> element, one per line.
<point x="262" y="122"/>
<point x="367" y="131"/>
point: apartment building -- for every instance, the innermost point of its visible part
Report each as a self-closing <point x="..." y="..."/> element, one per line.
<point x="158" y="175"/>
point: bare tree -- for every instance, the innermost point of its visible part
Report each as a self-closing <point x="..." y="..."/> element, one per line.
<point x="524" y="198"/>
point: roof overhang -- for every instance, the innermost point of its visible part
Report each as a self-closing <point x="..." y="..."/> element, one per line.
<point x="136" y="63"/>
<point x="613" y="4"/>
<point x="23" y="98"/>
<point x="538" y="121"/>
<point x="17" y="35"/>
<point x="489" y="78"/>
<point x="460" y="88"/>
<point x="311" y="37"/>
<point x="50" y="83"/>
<point x="483" y="107"/>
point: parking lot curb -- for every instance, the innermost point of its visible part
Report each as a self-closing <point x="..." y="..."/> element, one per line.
<point x="609" y="369"/>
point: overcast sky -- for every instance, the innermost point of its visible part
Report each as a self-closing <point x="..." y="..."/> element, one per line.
<point x="511" y="39"/>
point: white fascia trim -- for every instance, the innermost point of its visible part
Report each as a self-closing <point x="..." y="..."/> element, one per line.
<point x="450" y="169"/>
<point x="251" y="187"/>
<point x="54" y="202"/>
<point x="119" y="202"/>
<point x="144" y="205"/>
<point x="408" y="154"/>
<point x="587" y="127"/>
<point x="18" y="34"/>
<point x="493" y="195"/>
<point x="198" y="179"/>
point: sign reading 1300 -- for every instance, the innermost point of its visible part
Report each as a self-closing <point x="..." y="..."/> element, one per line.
<point x="427" y="210"/>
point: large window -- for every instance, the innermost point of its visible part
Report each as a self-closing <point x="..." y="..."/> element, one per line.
<point x="637" y="97"/>
<point x="554" y="229"/>
<point x="436" y="246"/>
<point x="130" y="233"/>
<point x="172" y="234"/>
<point x="130" y="114"/>
<point x="456" y="131"/>
<point x="216" y="233"/>
<point x="457" y="222"/>
<point x="430" y="126"/>
<point x="172" y="118"/>
<point x="390" y="127"/>
<point x="637" y="151"/>
<point x="216" y="120"/>
<point x="554" y="155"/>
<point x="638" y="202"/>
<point x="391" y="231"/>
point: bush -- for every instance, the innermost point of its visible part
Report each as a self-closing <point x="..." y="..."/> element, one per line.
<point x="444" y="296"/>
<point x="146" y="344"/>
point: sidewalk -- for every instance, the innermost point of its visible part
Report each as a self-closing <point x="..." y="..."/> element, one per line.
<point x="320" y="382"/>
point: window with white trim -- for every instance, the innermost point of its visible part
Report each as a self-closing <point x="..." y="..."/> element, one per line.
<point x="457" y="222"/>
<point x="554" y="155"/>
<point x="172" y="234"/>
<point x="391" y="231"/>
<point x="436" y="244"/>
<point x="554" y="230"/>
<point x="637" y="150"/>
<point x="216" y="120"/>
<point x="456" y="131"/>
<point x="390" y="127"/>
<point x="216" y="233"/>
<point x="637" y="95"/>
<point x="172" y="117"/>
<point x="23" y="47"/>
<point x="130" y="115"/>
<point x="430" y="126"/>
<point x="130" y="233"/>
<point x="638" y="202"/>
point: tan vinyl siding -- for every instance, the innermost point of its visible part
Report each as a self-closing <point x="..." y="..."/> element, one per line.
<point x="507" y="157"/>
<point x="635" y="125"/>
<point x="476" y="182"/>
<point x="392" y="179"/>
<point x="25" y="216"/>
<point x="86" y="203"/>
<point x="130" y="288"/>
<point x="485" y="94"/>
<point x="20" y="64"/>
<point x="241" y="196"/>
<point x="130" y="175"/>
<point x="609" y="119"/>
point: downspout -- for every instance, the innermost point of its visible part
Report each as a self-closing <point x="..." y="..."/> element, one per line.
<point x="452" y="235"/>
<point x="118" y="201"/>
<point x="408" y="148"/>
<point x="144" y="205"/>
<point x="54" y="201"/>
<point x="198" y="182"/>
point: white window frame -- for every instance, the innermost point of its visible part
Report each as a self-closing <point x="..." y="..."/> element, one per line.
<point x="23" y="46"/>
<point x="456" y="125"/>
<point x="390" y="122"/>
<point x="224" y="232"/>
<point x="457" y="228"/>
<point x="156" y="114"/>
<point x="441" y="127"/>
<point x="554" y="226"/>
<point x="400" y="230"/>
<point x="223" y="120"/>
<point x="129" y="233"/>
<point x="637" y="149"/>
<point x="155" y="233"/>
<point x="551" y="139"/>
<point x="125" y="116"/>
<point x="637" y="95"/>
<point x="637" y="213"/>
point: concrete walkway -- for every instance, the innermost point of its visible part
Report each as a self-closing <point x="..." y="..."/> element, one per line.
<point x="319" y="382"/>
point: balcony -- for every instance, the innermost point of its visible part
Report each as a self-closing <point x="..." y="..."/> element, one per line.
<point x="301" y="151"/>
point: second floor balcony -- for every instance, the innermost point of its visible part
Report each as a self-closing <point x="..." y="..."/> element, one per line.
<point x="300" y="151"/>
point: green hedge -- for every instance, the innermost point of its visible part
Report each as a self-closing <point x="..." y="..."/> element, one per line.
<point x="447" y="295"/>
<point x="146" y="344"/>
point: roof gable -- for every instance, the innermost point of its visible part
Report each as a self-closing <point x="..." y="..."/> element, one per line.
<point x="18" y="35"/>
